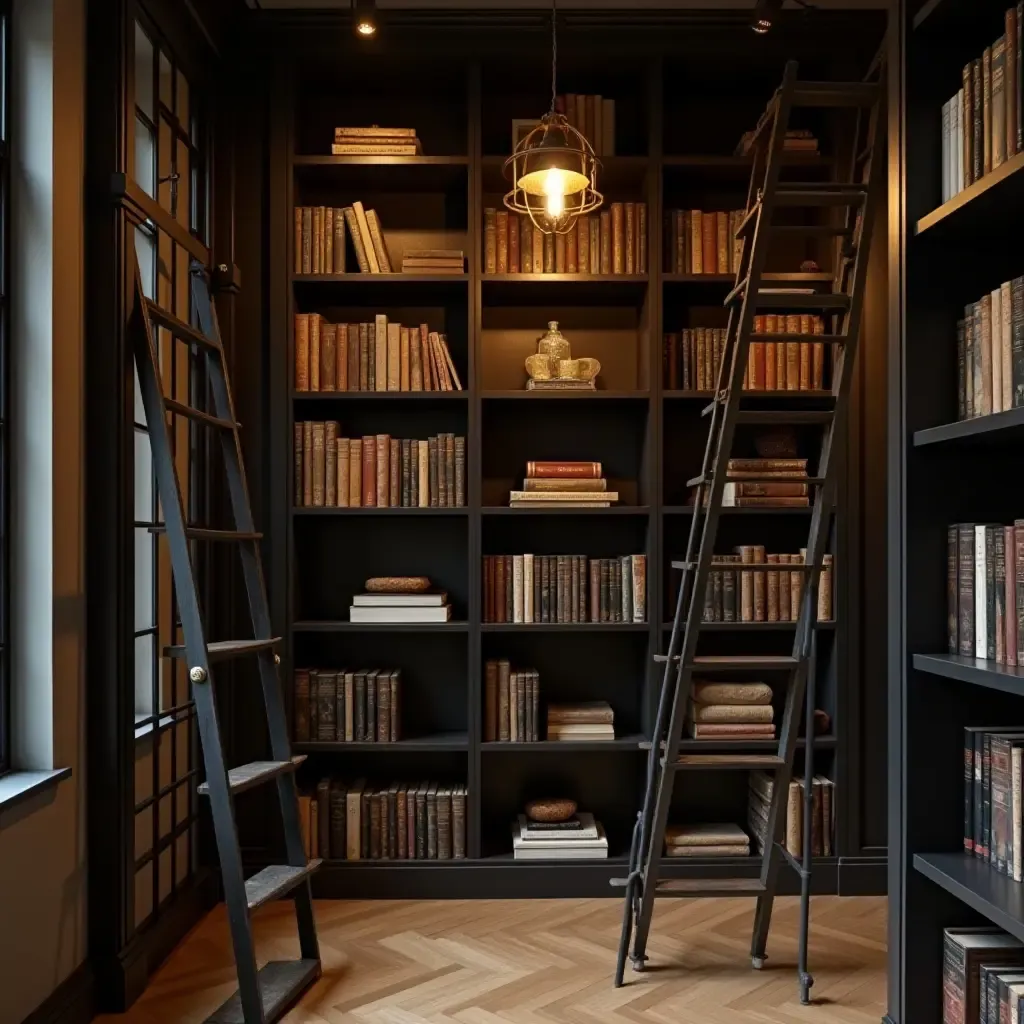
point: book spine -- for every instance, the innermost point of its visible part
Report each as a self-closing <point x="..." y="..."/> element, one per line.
<point x="490" y="240"/>
<point x="952" y="589"/>
<point x="301" y="338"/>
<point x="968" y="791"/>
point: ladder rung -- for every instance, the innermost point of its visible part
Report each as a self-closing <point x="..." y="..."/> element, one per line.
<point x="835" y="94"/>
<point x="820" y="193"/>
<point x="281" y="982"/>
<point x="202" y="533"/>
<point x="824" y="301"/>
<point x="660" y="659"/>
<point x="744" y="662"/>
<point x="709" y="886"/>
<point x="180" y="409"/>
<point x="180" y="329"/>
<point x="815" y="481"/>
<point x="789" y="417"/>
<point x="752" y="566"/>
<point x="247" y="776"/>
<point x="818" y="396"/>
<point x="737" y="291"/>
<point x="221" y="649"/>
<point x="740" y="761"/>
<point x="276" y="880"/>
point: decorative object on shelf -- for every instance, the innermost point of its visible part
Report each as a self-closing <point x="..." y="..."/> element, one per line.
<point x="577" y="837"/>
<point x="553" y="169"/>
<point x="550" y="810"/>
<point x="397" y="584"/>
<point x="552" y="367"/>
<point x="810" y="267"/>
<point x="375" y="141"/>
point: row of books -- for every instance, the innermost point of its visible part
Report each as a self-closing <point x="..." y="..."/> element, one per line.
<point x="321" y="240"/>
<point x="992" y="797"/>
<point x="580" y="837"/>
<point x="593" y="117"/>
<point x="702" y="242"/>
<point x="402" y="821"/>
<point x="691" y="357"/>
<point x="985" y="591"/>
<point x="731" y="711"/>
<point x="554" y="588"/>
<point x="377" y="471"/>
<point x="374" y="140"/>
<point x="981" y="123"/>
<point x="982" y="976"/>
<point x="613" y="241"/>
<point x="990" y="352"/>
<point x="764" y="483"/>
<point x="511" y="703"/>
<point x="345" y="706"/>
<point x="760" y="787"/>
<point x="382" y="356"/>
<point x="733" y="595"/>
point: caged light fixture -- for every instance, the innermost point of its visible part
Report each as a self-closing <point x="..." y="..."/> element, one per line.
<point x="553" y="169"/>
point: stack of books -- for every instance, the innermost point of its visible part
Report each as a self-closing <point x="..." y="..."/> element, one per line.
<point x="376" y="141"/>
<point x="579" y="838"/>
<point x="563" y="485"/>
<point x="706" y="841"/>
<point x="797" y="140"/>
<point x="428" y="607"/>
<point x="588" y="720"/>
<point x="731" y="711"/>
<point x="433" y="261"/>
<point x="786" y="484"/>
<point x="761" y="785"/>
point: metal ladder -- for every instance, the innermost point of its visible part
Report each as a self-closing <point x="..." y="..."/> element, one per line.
<point x="263" y="995"/>
<point x="841" y="309"/>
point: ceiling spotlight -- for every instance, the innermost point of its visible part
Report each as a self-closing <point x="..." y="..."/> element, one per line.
<point x="765" y="13"/>
<point x="364" y="18"/>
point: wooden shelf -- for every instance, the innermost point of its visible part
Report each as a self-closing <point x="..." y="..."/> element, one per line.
<point x="559" y="396"/>
<point x="564" y="627"/>
<point x="997" y="428"/>
<point x="343" y="626"/>
<point x="378" y="511"/>
<point x="360" y="280"/>
<point x="444" y="741"/>
<point x="687" y="510"/>
<point x="727" y="280"/>
<point x="380" y="396"/>
<point x="756" y="627"/>
<point x="993" y="204"/>
<point x="995" y="896"/>
<point x="976" y="671"/>
<point x="571" y="289"/>
<point x="384" y="173"/>
<point x="620" y="743"/>
<point x="613" y="510"/>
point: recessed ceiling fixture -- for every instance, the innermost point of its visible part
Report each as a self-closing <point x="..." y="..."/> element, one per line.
<point x="766" y="11"/>
<point x="364" y="18"/>
<point x="553" y="169"/>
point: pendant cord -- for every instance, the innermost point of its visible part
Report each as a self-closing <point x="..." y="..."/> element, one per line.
<point x="554" y="51"/>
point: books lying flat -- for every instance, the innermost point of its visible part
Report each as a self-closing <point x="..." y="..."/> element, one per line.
<point x="588" y="712"/>
<point x="580" y="732"/>
<point x="562" y="484"/>
<point x="730" y="731"/>
<point x="706" y="834"/>
<point x="399" y="613"/>
<point x="748" y="714"/>
<point x="723" y="850"/>
<point x="559" y="504"/>
<point x="400" y="600"/>
<point x="573" y="496"/>
<point x="585" y="828"/>
<point x="560" y="848"/>
<point x="560" y="385"/>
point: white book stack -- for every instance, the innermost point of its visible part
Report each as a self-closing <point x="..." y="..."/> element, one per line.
<point x="561" y="841"/>
<point x="432" y="607"/>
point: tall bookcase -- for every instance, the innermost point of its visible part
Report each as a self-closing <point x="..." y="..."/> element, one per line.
<point x="941" y="471"/>
<point x="674" y="148"/>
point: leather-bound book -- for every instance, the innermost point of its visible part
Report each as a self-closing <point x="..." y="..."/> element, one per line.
<point x="722" y="246"/>
<point x="460" y="472"/>
<point x="792" y="326"/>
<point x="394" y="357"/>
<point x="825" y="586"/>
<point x="772" y="590"/>
<point x="501" y="234"/>
<point x="432" y="471"/>
<point x="804" y="353"/>
<point x="300" y="706"/>
<point x="594" y="245"/>
<point x="573" y="600"/>
<point x="341" y="357"/>
<point x="421" y="469"/>
<point x="357" y="240"/>
<point x="318" y="235"/>
<point x="328" y="242"/>
<point x="1009" y="595"/>
<point x="331" y="463"/>
<point x="595" y="590"/>
<point x="490" y="240"/>
<point x="383" y="707"/>
<point x="319" y="465"/>
<point x="359" y="717"/>
<point x="381" y="477"/>
<point x="538" y="569"/>
<point x="444" y="823"/>
<point x="369" y="472"/>
<point x="339" y="241"/>
<point x="459" y="823"/>
<point x="358" y="356"/>
<point x="371" y="706"/>
<point x="380" y="353"/>
<point x="377" y="804"/>
<point x="525" y="245"/>
<point x="421" y="820"/>
<point x="582" y="233"/>
<point x="615" y="591"/>
<point x="545" y="588"/>
<point x="297" y="493"/>
<point x="629" y="237"/>
<point x="537" y="246"/>
<point x="513" y="244"/>
<point x="499" y="588"/>
<point x="580" y="572"/>
<point x="429" y="384"/>
<point x="394" y="475"/>
<point x="402" y="822"/>
<point x="490" y="700"/>
<point x="509" y="597"/>
<point x="605" y="220"/>
<point x="641" y="238"/>
<point x="504" y="692"/>
<point x="521" y="683"/>
<point x="561" y="604"/>
<point x="301" y="334"/>
<point x="449" y="468"/>
<point x="709" y="241"/>
<point x="380" y="249"/>
<point x="363" y="227"/>
<point x="571" y="251"/>
<point x="432" y="822"/>
<point x="355" y="472"/>
<point x="986" y="110"/>
<point x="297" y="242"/>
<point x="327" y="357"/>
<point x="967" y="78"/>
<point x="414" y="361"/>
<point x="560" y="263"/>
<point x="977" y="121"/>
<point x="404" y="366"/>
<point x="618" y="239"/>
<point x="1000" y="101"/>
<point x="314" y="351"/>
<point x="326" y="703"/>
<point x="696" y="218"/>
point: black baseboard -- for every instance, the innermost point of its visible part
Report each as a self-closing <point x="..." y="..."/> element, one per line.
<point x="73" y="1001"/>
<point x="123" y="978"/>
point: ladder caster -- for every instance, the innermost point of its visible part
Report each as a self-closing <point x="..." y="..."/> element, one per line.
<point x="806" y="983"/>
<point x="638" y="962"/>
<point x="757" y="962"/>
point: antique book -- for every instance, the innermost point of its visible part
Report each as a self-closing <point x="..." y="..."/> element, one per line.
<point x="618" y="240"/>
<point x="394" y="357"/>
<point x="986" y="110"/>
<point x="314" y="351"/>
<point x="393" y="478"/>
<point x="363" y="227"/>
<point x="327" y="357"/>
<point x="501" y="237"/>
<point x="354" y="233"/>
<point x="490" y="241"/>
<point x="605" y="232"/>
<point x="319" y="464"/>
<point x="629" y="237"/>
<point x="330" y="463"/>
<point x="301" y="337"/>
<point x="963" y="952"/>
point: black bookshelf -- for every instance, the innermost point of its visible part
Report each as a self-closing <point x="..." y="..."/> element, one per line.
<point x="941" y="471"/>
<point x="650" y="440"/>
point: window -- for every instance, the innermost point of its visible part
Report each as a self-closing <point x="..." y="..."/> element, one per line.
<point x="5" y="178"/>
<point x="169" y="165"/>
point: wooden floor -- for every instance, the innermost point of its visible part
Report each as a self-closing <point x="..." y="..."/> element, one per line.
<point x="496" y="962"/>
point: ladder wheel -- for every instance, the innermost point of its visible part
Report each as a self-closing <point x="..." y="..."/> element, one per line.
<point x="639" y="963"/>
<point x="806" y="983"/>
<point x="757" y="962"/>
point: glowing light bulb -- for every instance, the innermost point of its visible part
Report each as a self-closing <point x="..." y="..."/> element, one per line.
<point x="554" y="190"/>
<point x="366" y="28"/>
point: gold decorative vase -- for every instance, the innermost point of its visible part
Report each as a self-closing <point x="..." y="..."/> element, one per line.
<point x="552" y="367"/>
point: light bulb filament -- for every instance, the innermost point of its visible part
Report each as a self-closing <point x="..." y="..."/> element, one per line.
<point x="554" y="190"/>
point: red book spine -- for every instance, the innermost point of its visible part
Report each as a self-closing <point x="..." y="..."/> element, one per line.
<point x="563" y="470"/>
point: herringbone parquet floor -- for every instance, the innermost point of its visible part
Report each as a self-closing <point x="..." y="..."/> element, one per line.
<point x="542" y="961"/>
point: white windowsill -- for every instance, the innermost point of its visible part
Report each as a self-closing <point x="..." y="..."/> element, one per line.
<point x="17" y="787"/>
<point x="142" y="731"/>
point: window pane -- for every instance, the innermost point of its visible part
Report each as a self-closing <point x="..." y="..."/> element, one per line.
<point x="145" y="616"/>
<point x="145" y="249"/>
<point x="144" y="647"/>
<point x="145" y="158"/>
<point x="166" y="82"/>
<point x="143" y="478"/>
<point x="143" y="72"/>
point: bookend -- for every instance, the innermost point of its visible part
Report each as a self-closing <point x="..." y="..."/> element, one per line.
<point x="855" y="198"/>
<point x="263" y="995"/>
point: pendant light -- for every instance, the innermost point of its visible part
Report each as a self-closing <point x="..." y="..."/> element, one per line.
<point x="553" y="169"/>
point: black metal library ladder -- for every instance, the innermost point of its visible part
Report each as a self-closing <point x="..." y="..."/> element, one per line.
<point x="263" y="995"/>
<point x="852" y="200"/>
